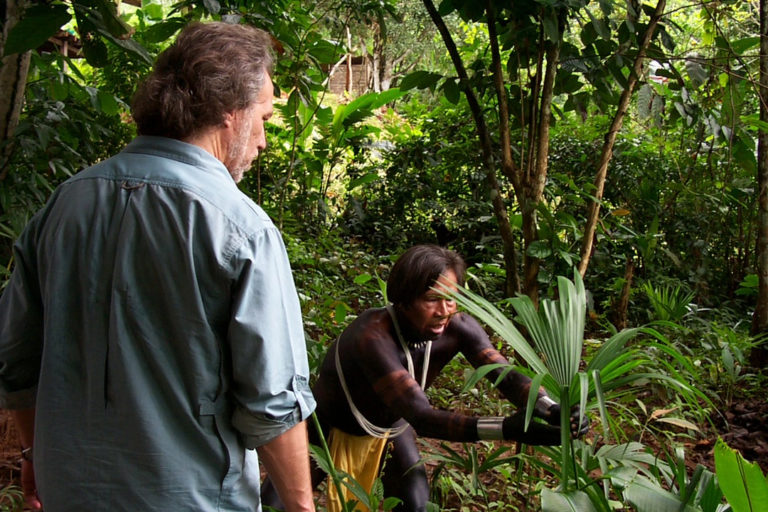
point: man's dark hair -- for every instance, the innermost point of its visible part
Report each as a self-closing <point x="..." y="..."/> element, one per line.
<point x="210" y="70"/>
<point x="417" y="270"/>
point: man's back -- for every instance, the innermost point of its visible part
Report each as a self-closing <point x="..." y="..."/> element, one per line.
<point x="140" y="265"/>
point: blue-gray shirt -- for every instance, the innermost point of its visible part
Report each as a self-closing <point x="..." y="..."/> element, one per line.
<point x="152" y="314"/>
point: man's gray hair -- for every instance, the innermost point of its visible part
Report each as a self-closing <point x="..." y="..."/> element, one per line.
<point x="210" y="70"/>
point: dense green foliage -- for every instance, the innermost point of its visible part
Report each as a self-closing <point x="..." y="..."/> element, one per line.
<point x="354" y="181"/>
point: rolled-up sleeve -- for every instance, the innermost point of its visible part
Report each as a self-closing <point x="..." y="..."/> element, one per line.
<point x="266" y="337"/>
<point x="21" y="331"/>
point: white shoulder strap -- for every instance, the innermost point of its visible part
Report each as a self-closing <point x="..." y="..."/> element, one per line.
<point x="366" y="425"/>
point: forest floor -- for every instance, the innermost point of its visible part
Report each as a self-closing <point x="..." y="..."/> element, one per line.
<point x="746" y="430"/>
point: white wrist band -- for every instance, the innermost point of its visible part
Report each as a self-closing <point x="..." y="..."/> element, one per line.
<point x="546" y="402"/>
<point x="490" y="428"/>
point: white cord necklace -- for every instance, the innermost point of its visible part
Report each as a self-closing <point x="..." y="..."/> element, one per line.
<point x="370" y="428"/>
<point x="407" y="350"/>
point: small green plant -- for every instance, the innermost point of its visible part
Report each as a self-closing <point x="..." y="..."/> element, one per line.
<point x="470" y="461"/>
<point x="11" y="498"/>
<point x="733" y="346"/>
<point x="373" y="500"/>
<point x="557" y="329"/>
<point x="669" y="302"/>
<point x="669" y="488"/>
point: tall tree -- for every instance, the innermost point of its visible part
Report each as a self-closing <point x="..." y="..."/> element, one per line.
<point x="610" y="137"/>
<point x="759" y="356"/>
<point x="14" y="67"/>
<point x="533" y="62"/>
<point x="27" y="25"/>
<point x="497" y="196"/>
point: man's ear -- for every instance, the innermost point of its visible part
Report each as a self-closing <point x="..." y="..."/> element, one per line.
<point x="229" y="119"/>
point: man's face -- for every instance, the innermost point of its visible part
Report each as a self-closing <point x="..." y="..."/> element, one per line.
<point x="431" y="312"/>
<point x="249" y="137"/>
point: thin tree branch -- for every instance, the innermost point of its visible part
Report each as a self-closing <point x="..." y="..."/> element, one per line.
<point x="610" y="139"/>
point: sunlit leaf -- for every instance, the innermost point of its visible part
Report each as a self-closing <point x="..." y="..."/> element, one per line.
<point x="742" y="482"/>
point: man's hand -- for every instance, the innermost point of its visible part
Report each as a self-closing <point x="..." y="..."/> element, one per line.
<point x="286" y="459"/>
<point x="31" y="501"/>
<point x="537" y="433"/>
<point x="549" y="411"/>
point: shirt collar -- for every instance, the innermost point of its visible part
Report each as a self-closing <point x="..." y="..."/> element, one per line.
<point x="178" y="150"/>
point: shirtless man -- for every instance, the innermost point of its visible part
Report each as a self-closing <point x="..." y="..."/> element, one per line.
<point x="375" y="395"/>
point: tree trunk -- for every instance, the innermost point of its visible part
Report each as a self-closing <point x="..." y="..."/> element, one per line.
<point x="610" y="139"/>
<point x="512" y="283"/>
<point x="13" y="80"/>
<point x="534" y="184"/>
<point x="348" y="75"/>
<point x="377" y="59"/>
<point x="621" y="305"/>
<point x="759" y="355"/>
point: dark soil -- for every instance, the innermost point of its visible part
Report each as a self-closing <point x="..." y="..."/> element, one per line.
<point x="744" y="428"/>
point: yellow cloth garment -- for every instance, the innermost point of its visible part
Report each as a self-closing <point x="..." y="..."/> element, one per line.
<point x="357" y="455"/>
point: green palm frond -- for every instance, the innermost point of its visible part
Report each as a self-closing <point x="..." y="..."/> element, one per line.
<point x="669" y="302"/>
<point x="488" y="314"/>
<point x="557" y="327"/>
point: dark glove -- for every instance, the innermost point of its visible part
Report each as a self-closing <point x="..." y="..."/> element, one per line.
<point x="537" y="434"/>
<point x="552" y="416"/>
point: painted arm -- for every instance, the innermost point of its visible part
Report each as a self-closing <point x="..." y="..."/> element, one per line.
<point x="515" y="386"/>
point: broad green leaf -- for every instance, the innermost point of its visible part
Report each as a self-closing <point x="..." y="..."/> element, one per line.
<point x="362" y="107"/>
<point x="340" y="312"/>
<point x="110" y="20"/>
<point x="588" y="34"/>
<point x="742" y="482"/>
<point x="744" y="154"/>
<point x="164" y="30"/>
<point x="539" y="249"/>
<point x="599" y="25"/>
<point x="129" y="45"/>
<point x="573" y="501"/>
<point x="742" y="45"/>
<point x="153" y="11"/>
<point x="754" y="121"/>
<point x="40" y="22"/>
<point x="607" y="7"/>
<point x="95" y="52"/>
<point x="452" y="91"/>
<point x="363" y="180"/>
<point x="325" y="51"/>
<point x="533" y="393"/>
<point x="420" y="80"/>
<point x="59" y="89"/>
<point x="549" y="21"/>
<point x="363" y="278"/>
<point x="648" y="496"/>
<point x="446" y="7"/>
<point x="108" y="104"/>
